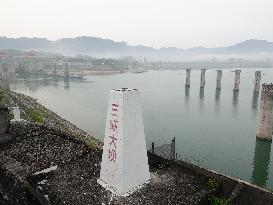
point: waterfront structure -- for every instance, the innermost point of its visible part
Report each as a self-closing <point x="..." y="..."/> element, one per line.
<point x="54" y="70"/>
<point x="218" y="79"/>
<point x="188" y="77"/>
<point x="202" y="80"/>
<point x="124" y="166"/>
<point x="265" y="124"/>
<point x="237" y="80"/>
<point x="258" y="75"/>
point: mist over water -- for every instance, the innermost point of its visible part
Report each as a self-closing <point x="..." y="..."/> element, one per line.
<point x="215" y="129"/>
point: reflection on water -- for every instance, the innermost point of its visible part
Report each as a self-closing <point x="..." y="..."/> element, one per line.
<point x="54" y="81"/>
<point x="261" y="162"/>
<point x="235" y="103"/>
<point x="201" y="98"/>
<point x="217" y="101"/>
<point x="202" y="93"/>
<point x="32" y="83"/>
<point x="254" y="104"/>
<point x="187" y="92"/>
<point x="66" y="84"/>
<point x="187" y="96"/>
<point x="235" y="97"/>
<point x="217" y="95"/>
<point x="255" y="99"/>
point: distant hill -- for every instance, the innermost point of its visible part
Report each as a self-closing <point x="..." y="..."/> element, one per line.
<point x="98" y="47"/>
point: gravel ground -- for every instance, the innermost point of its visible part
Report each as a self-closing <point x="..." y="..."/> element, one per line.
<point x="74" y="181"/>
<point x="58" y="143"/>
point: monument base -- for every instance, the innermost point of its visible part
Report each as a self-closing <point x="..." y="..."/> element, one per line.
<point x="116" y="192"/>
<point x="20" y="120"/>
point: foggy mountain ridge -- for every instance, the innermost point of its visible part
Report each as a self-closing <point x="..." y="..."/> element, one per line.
<point x="98" y="47"/>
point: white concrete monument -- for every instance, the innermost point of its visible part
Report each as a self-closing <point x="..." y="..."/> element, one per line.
<point x="16" y="114"/>
<point x="124" y="166"/>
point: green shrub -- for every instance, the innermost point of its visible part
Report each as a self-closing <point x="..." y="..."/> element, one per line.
<point x="4" y="99"/>
<point x="212" y="184"/>
<point x="214" y="200"/>
<point x="2" y="94"/>
<point x="92" y="144"/>
<point x="36" y="115"/>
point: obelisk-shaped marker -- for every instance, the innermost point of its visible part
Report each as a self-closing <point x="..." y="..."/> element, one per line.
<point x="124" y="166"/>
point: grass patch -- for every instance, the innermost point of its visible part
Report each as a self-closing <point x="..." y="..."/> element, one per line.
<point x="4" y="99"/>
<point x="36" y="115"/>
<point x="214" y="200"/>
<point x="212" y="184"/>
<point x="2" y="95"/>
<point x="92" y="144"/>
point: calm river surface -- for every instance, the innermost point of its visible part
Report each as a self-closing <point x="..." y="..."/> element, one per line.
<point x="213" y="129"/>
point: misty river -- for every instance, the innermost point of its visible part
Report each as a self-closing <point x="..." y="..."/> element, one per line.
<point x="213" y="129"/>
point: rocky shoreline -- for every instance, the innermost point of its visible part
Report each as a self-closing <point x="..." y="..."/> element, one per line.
<point x="76" y="156"/>
<point x="53" y="162"/>
<point x="50" y="118"/>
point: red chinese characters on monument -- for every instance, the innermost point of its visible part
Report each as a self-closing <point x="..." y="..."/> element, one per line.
<point x="113" y="125"/>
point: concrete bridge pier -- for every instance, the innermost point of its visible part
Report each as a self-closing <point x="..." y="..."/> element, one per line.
<point x="258" y="76"/>
<point x="218" y="79"/>
<point x="188" y="76"/>
<point x="202" y="79"/>
<point x="237" y="80"/>
<point x="265" y="123"/>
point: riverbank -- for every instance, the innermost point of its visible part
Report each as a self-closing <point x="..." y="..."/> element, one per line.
<point x="50" y="161"/>
<point x="33" y="111"/>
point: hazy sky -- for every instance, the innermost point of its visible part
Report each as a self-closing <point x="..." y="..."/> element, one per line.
<point x="158" y="23"/>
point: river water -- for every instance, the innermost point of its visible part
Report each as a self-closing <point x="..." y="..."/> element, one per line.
<point x="213" y="129"/>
